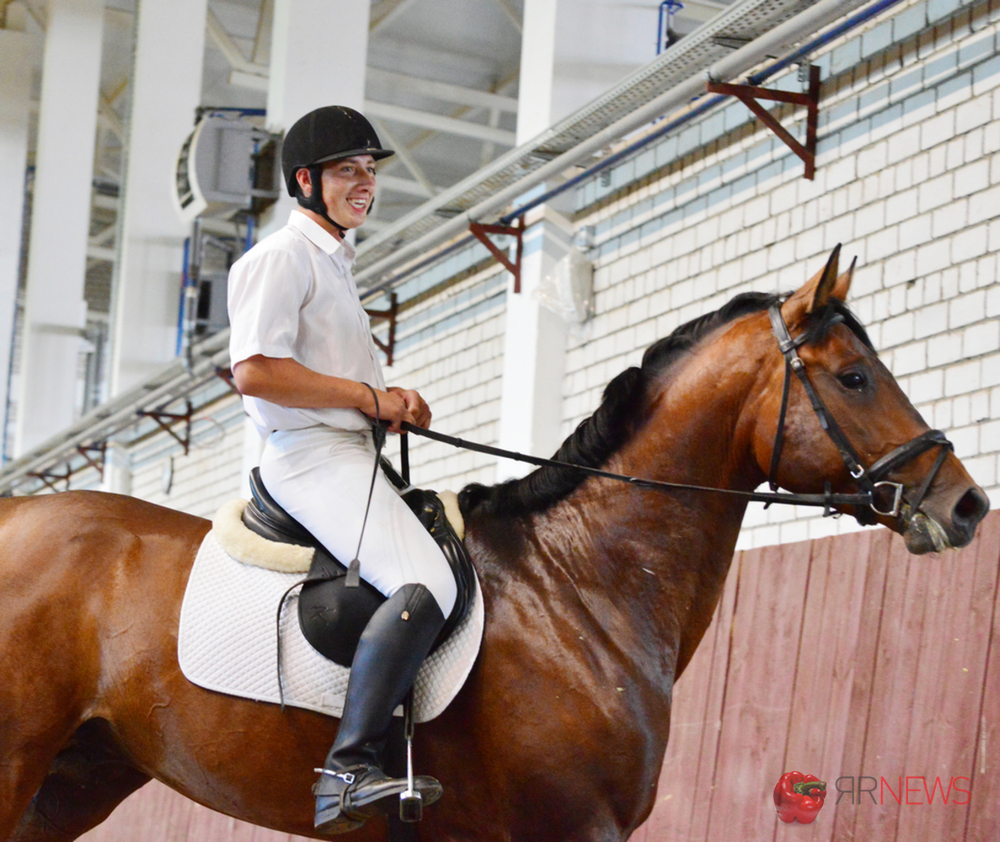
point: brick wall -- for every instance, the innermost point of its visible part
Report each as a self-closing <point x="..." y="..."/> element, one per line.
<point x="907" y="175"/>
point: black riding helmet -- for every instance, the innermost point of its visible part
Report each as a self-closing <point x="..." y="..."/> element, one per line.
<point x="326" y="134"/>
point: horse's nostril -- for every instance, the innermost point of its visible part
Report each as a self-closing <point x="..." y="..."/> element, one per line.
<point x="972" y="508"/>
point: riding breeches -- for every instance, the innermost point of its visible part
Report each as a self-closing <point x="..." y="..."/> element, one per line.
<point x="321" y="477"/>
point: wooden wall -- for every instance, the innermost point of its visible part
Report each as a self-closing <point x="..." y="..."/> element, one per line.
<point x="842" y="657"/>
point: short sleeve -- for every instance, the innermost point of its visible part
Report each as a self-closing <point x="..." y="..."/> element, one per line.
<point x="266" y="292"/>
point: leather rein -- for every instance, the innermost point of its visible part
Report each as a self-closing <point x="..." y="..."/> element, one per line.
<point x="870" y="480"/>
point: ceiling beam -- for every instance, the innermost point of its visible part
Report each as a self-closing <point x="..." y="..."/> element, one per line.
<point x="404" y="185"/>
<point x="261" y="52"/>
<point x="437" y="122"/>
<point x="444" y="91"/>
<point x="101" y="253"/>
<point x="403" y="153"/>
<point x="511" y="13"/>
<point x="393" y="9"/>
<point x="254" y="81"/>
<point x="234" y="55"/>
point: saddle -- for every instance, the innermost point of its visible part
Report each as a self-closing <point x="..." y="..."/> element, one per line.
<point x="333" y="617"/>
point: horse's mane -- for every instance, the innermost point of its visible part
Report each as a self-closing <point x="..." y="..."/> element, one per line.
<point x="616" y="420"/>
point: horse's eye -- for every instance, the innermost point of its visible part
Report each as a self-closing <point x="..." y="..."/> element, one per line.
<point x="853" y="380"/>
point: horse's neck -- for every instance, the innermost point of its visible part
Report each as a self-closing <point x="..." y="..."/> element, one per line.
<point x="656" y="560"/>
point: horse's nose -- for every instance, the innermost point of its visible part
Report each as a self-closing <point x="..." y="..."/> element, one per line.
<point x="968" y="512"/>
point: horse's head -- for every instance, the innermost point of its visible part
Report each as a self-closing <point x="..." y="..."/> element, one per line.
<point x="847" y="422"/>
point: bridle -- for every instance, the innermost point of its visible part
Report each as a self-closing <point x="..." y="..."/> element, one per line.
<point x="871" y="481"/>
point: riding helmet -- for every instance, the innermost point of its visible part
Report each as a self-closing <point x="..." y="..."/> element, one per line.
<point x="327" y="134"/>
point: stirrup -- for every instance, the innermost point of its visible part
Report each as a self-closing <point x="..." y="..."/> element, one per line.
<point x="346" y="799"/>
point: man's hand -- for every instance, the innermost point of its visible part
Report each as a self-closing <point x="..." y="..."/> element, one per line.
<point x="415" y="405"/>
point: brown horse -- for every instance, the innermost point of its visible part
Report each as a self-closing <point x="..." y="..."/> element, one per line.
<point x="597" y="594"/>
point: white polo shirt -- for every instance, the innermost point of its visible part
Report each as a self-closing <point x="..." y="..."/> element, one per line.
<point x="293" y="295"/>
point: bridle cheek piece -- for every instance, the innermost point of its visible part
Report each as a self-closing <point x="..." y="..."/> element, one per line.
<point x="871" y="480"/>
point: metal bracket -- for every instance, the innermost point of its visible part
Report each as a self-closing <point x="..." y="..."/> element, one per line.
<point x="226" y="375"/>
<point x="94" y="455"/>
<point x="388" y="348"/>
<point x="51" y="477"/>
<point x="749" y="94"/>
<point x="167" y="425"/>
<point x="479" y="231"/>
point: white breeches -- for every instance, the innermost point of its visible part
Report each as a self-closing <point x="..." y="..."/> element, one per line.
<point x="321" y="476"/>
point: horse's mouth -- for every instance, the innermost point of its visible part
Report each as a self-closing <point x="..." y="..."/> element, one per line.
<point x="923" y="533"/>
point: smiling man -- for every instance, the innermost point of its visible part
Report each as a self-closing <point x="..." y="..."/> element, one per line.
<point x="305" y="362"/>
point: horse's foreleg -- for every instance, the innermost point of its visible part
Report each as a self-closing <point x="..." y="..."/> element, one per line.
<point x="87" y="780"/>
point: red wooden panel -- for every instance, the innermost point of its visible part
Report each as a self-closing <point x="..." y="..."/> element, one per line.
<point x="890" y="717"/>
<point x="845" y="810"/>
<point x="766" y="628"/>
<point x="948" y="693"/>
<point x="683" y="794"/>
<point x="158" y="814"/>
<point x="712" y="729"/>
<point x="984" y="818"/>
<point x="825" y="676"/>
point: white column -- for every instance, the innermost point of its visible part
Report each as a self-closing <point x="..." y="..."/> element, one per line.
<point x="166" y="90"/>
<point x="17" y="54"/>
<point x="55" y="311"/>
<point x="117" y="469"/>
<point x="319" y="53"/>
<point x="534" y="359"/>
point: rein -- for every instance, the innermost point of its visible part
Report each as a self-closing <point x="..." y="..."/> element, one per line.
<point x="870" y="480"/>
<point x="827" y="499"/>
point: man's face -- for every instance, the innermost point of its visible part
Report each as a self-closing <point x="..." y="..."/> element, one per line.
<point x="348" y="189"/>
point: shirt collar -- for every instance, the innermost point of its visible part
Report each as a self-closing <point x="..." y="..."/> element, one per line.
<point x="319" y="236"/>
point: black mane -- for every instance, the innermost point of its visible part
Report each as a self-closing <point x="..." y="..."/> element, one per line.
<point x="616" y="420"/>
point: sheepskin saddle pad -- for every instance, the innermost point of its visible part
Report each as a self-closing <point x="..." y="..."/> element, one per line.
<point x="228" y="638"/>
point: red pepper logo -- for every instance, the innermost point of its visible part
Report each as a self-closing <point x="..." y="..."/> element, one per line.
<point x="799" y="797"/>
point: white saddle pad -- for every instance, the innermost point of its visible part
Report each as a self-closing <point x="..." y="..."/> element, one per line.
<point x="228" y="641"/>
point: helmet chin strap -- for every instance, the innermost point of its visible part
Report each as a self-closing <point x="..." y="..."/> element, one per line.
<point x="315" y="202"/>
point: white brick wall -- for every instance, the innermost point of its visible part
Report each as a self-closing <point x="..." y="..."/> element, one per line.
<point x="914" y="197"/>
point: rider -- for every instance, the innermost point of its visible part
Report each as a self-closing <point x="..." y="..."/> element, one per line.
<point x="305" y="362"/>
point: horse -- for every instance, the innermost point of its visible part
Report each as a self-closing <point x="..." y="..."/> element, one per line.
<point x="597" y="595"/>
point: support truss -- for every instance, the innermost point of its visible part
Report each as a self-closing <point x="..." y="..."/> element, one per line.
<point x="388" y="348"/>
<point x="749" y="94"/>
<point x="166" y="420"/>
<point x="480" y="231"/>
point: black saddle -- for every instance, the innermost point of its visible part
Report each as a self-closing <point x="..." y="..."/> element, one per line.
<point x="333" y="614"/>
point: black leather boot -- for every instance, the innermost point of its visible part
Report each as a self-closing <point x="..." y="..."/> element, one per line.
<point x="352" y="786"/>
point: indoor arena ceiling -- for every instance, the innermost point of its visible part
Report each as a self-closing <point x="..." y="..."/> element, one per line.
<point x="442" y="85"/>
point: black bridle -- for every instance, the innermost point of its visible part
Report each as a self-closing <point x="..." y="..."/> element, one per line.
<point x="871" y="481"/>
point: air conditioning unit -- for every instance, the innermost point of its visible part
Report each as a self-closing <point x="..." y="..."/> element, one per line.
<point x="226" y="165"/>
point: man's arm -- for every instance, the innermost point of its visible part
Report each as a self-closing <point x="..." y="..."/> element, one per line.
<point x="284" y="381"/>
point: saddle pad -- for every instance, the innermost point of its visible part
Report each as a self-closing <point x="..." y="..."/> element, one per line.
<point x="227" y="641"/>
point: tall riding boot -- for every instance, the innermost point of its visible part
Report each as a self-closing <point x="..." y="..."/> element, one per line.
<point x="352" y="786"/>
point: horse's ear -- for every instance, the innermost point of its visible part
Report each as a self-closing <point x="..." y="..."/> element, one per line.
<point x="819" y="289"/>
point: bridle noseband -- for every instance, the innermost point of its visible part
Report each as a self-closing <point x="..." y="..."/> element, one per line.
<point x="869" y="480"/>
